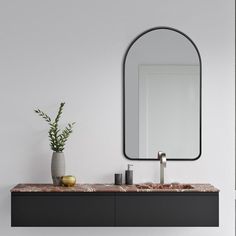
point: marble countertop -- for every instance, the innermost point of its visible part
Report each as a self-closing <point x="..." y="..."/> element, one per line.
<point x="143" y="187"/>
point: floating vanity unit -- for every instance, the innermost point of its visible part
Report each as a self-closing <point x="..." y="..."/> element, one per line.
<point x="112" y="205"/>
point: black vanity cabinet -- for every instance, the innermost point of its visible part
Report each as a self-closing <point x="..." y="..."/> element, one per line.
<point x="114" y="209"/>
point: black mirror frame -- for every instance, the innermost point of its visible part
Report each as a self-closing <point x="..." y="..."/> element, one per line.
<point x="200" y="105"/>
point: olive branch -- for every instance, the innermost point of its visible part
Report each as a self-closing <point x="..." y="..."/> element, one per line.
<point x="57" y="137"/>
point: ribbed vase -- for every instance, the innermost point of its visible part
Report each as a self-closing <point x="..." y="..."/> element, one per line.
<point x="57" y="167"/>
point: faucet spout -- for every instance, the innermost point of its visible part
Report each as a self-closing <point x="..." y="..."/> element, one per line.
<point x="162" y="157"/>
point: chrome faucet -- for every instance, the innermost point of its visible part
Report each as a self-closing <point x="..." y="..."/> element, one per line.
<point x="162" y="157"/>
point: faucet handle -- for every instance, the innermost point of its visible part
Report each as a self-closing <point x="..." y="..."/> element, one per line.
<point x="162" y="157"/>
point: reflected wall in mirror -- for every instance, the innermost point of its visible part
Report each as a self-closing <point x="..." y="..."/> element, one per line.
<point x="162" y="96"/>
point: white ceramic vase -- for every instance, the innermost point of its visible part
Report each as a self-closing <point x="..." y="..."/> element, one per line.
<point x="57" y="167"/>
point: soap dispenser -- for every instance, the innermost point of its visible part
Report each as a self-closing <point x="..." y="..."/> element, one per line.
<point x="129" y="175"/>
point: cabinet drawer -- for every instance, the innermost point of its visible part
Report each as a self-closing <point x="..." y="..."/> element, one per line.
<point x="63" y="209"/>
<point x="167" y="209"/>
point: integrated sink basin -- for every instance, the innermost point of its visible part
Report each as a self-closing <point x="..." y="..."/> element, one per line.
<point x="164" y="186"/>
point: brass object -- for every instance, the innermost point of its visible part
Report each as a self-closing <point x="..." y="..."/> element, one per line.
<point x="68" y="181"/>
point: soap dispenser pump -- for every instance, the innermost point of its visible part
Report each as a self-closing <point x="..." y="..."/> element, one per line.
<point x="129" y="175"/>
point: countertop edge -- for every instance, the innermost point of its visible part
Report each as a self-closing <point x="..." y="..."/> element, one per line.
<point x="106" y="188"/>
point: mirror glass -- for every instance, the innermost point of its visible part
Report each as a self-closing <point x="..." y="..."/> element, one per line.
<point x="162" y="96"/>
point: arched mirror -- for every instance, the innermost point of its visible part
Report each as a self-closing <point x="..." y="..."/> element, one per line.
<point x="162" y="96"/>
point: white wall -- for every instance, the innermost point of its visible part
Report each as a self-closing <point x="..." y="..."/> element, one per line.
<point x="53" y="51"/>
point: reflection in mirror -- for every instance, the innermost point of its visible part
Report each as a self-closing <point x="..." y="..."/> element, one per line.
<point x="162" y="96"/>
